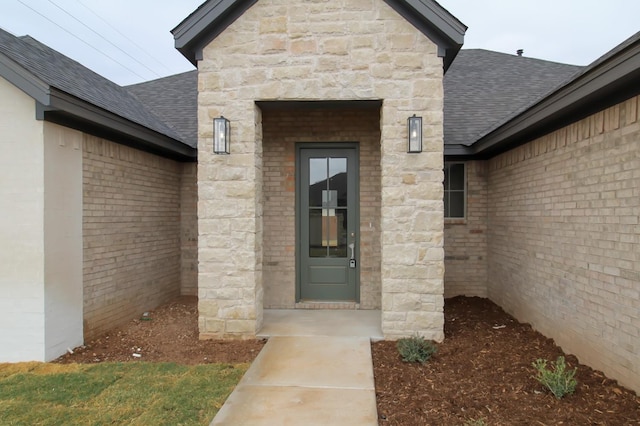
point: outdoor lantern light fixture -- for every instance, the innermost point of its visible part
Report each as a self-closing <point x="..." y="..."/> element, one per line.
<point x="221" y="135"/>
<point x="414" y="134"/>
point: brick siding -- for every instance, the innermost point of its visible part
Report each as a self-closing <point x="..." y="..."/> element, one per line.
<point x="189" y="230"/>
<point x="131" y="233"/>
<point x="281" y="131"/>
<point x="564" y="238"/>
<point x="465" y="240"/>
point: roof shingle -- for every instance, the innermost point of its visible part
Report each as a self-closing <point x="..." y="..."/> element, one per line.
<point x="60" y="72"/>
<point x="483" y="89"/>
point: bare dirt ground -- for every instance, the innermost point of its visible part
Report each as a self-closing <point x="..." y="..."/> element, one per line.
<point x="481" y="371"/>
<point x="168" y="334"/>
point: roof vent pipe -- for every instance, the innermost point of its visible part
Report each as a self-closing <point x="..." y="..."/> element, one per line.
<point x="519" y="52"/>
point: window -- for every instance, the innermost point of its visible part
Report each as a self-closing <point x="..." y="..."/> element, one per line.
<point x="454" y="190"/>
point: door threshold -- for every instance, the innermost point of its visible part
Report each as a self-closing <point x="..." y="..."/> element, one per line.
<point x="327" y="304"/>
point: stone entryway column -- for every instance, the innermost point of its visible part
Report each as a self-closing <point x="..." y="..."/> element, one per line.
<point x="230" y="226"/>
<point x="413" y="218"/>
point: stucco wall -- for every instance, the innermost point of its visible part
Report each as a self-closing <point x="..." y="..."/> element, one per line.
<point x="21" y="229"/>
<point x="465" y="240"/>
<point x="338" y="50"/>
<point x="131" y="232"/>
<point x="62" y="239"/>
<point x="564" y="238"/>
<point x="41" y="255"/>
<point x="282" y="130"/>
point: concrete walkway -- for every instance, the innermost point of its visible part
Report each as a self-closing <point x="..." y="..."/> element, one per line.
<point x="316" y="369"/>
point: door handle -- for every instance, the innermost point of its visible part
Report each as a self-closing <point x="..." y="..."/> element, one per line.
<point x="352" y="246"/>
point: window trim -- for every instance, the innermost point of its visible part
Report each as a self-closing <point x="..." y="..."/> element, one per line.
<point x="464" y="191"/>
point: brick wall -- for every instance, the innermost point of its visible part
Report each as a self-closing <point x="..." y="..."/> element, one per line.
<point x="189" y="230"/>
<point x="131" y="233"/>
<point x="465" y="240"/>
<point x="564" y="238"/>
<point x="281" y="131"/>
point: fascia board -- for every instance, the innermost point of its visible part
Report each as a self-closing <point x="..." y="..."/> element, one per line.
<point x="199" y="20"/>
<point x="95" y="116"/>
<point x="24" y="80"/>
<point x="569" y="97"/>
<point x="453" y="29"/>
<point x="205" y="24"/>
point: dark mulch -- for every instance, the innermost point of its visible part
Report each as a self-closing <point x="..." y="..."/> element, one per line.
<point x="483" y="371"/>
<point x="479" y="372"/>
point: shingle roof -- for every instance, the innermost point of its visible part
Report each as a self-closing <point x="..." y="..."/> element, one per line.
<point x="174" y="100"/>
<point x="611" y="79"/>
<point x="482" y="89"/>
<point x="66" y="75"/>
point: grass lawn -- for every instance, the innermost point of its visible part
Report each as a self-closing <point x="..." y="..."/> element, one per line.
<point x="114" y="393"/>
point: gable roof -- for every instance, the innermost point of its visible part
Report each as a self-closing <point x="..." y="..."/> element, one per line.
<point x="70" y="94"/>
<point x="214" y="16"/>
<point x="484" y="88"/>
<point x="609" y="80"/>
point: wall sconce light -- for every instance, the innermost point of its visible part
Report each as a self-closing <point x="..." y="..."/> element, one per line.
<point x="221" y="135"/>
<point x="414" y="134"/>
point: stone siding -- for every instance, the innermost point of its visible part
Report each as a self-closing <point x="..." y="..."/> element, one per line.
<point x="465" y="240"/>
<point x="131" y="233"/>
<point x="564" y="238"/>
<point x="339" y="50"/>
<point x="282" y="130"/>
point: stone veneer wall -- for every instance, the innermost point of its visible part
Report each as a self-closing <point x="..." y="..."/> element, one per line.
<point x="564" y="238"/>
<point x="338" y="50"/>
<point x="131" y="233"/>
<point x="282" y="130"/>
<point x="465" y="240"/>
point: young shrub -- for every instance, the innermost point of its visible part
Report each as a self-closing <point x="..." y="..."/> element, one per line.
<point x="416" y="349"/>
<point x="476" y="422"/>
<point x="557" y="379"/>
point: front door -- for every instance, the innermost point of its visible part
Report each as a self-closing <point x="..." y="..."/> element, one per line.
<point x="327" y="212"/>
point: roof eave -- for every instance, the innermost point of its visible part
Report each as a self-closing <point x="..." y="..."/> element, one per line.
<point x="70" y="111"/>
<point x="212" y="18"/>
<point x="610" y="82"/>
<point x="436" y="23"/>
<point x="206" y="23"/>
<point x="24" y="80"/>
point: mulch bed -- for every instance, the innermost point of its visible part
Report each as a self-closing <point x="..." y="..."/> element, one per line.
<point x="483" y="371"/>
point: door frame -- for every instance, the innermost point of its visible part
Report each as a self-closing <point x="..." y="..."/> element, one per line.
<point x="300" y="146"/>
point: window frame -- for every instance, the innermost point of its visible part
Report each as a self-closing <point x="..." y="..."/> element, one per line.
<point x="447" y="192"/>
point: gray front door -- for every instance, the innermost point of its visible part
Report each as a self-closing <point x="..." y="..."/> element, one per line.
<point x="328" y="267"/>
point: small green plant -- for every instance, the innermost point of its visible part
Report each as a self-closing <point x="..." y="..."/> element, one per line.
<point x="416" y="349"/>
<point x="557" y="379"/>
<point x="476" y="422"/>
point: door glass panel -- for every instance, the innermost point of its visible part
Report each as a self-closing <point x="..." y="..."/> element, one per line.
<point x="318" y="175"/>
<point x="339" y="249"/>
<point x="327" y="207"/>
<point x="338" y="179"/>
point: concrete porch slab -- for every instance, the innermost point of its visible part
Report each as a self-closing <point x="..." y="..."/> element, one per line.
<point x="324" y="322"/>
<point x="322" y="362"/>
<point x="303" y="380"/>
<point x="288" y="406"/>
